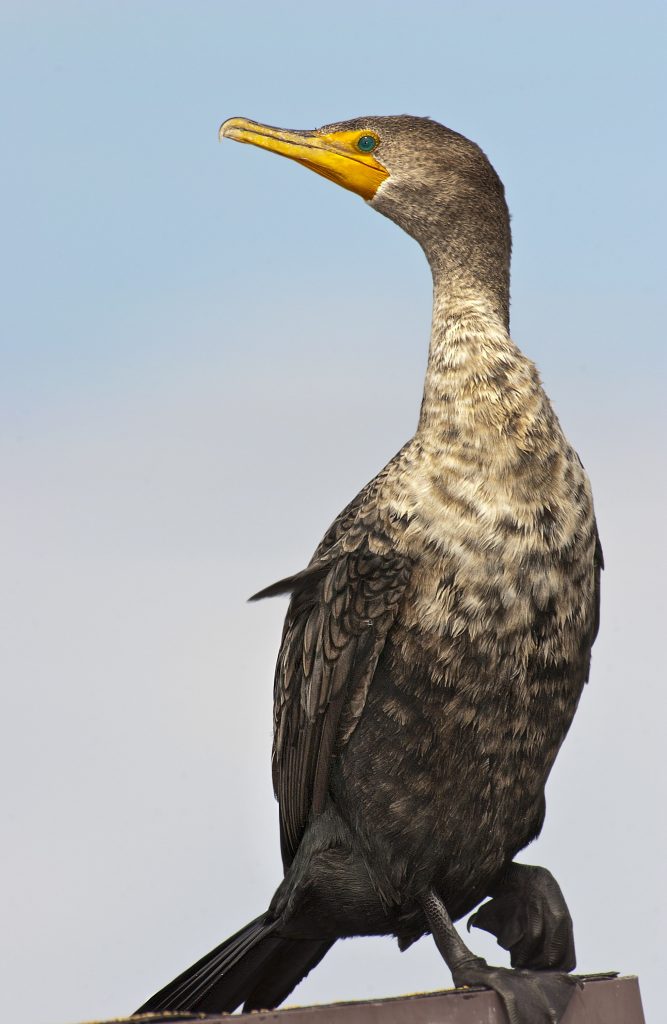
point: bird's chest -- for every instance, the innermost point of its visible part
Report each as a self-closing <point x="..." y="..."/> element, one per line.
<point x="502" y="562"/>
<point x="481" y="676"/>
<point x="482" y="672"/>
<point x="493" y="635"/>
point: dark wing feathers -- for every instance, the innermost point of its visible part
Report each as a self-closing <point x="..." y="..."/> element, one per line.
<point x="341" y="611"/>
<point x="314" y="571"/>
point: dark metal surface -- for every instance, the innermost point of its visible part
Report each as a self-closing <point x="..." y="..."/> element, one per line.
<point x="596" y="1001"/>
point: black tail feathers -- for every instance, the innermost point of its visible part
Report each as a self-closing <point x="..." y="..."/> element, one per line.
<point x="256" y="967"/>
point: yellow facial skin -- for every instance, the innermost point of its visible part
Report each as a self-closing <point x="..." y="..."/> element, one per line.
<point x="334" y="156"/>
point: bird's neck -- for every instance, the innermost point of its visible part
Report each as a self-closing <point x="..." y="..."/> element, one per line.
<point x="480" y="390"/>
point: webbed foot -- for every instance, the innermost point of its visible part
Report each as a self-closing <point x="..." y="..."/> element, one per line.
<point x="529" y="997"/>
<point x="529" y="917"/>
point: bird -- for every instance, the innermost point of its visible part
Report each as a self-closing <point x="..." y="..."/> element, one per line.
<point x="436" y="645"/>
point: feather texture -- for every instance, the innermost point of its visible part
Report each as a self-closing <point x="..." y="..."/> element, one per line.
<point x="336" y="626"/>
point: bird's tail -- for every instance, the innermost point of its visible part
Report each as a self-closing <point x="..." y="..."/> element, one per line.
<point x="256" y="967"/>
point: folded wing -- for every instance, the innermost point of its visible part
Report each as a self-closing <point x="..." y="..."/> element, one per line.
<point x="342" y="610"/>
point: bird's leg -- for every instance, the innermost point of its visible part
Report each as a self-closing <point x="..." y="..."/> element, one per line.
<point x="529" y="997"/>
<point x="454" y="951"/>
<point x="529" y="917"/>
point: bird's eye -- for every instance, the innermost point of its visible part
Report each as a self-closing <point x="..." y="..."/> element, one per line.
<point x="367" y="143"/>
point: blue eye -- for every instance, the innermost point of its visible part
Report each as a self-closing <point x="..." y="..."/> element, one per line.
<point x="367" y="143"/>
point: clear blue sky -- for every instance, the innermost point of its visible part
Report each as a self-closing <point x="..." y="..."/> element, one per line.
<point x="205" y="351"/>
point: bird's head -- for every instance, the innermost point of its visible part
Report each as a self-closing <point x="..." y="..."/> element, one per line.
<point x="431" y="181"/>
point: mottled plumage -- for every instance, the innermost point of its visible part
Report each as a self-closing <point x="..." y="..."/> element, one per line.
<point x="436" y="646"/>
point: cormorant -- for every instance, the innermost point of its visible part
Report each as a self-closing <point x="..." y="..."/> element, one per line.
<point x="436" y="646"/>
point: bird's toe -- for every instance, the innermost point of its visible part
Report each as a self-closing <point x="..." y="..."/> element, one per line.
<point x="529" y="997"/>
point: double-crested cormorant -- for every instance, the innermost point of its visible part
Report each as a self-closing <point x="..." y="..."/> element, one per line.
<point x="436" y="646"/>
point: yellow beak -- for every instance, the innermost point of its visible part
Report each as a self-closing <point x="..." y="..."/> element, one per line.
<point x="334" y="155"/>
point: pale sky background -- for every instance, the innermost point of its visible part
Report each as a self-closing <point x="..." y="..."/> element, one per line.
<point x="206" y="351"/>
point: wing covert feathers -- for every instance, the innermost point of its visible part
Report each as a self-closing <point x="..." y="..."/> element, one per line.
<point x="341" y="611"/>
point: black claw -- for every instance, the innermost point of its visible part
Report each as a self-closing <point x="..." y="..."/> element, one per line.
<point x="529" y="997"/>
